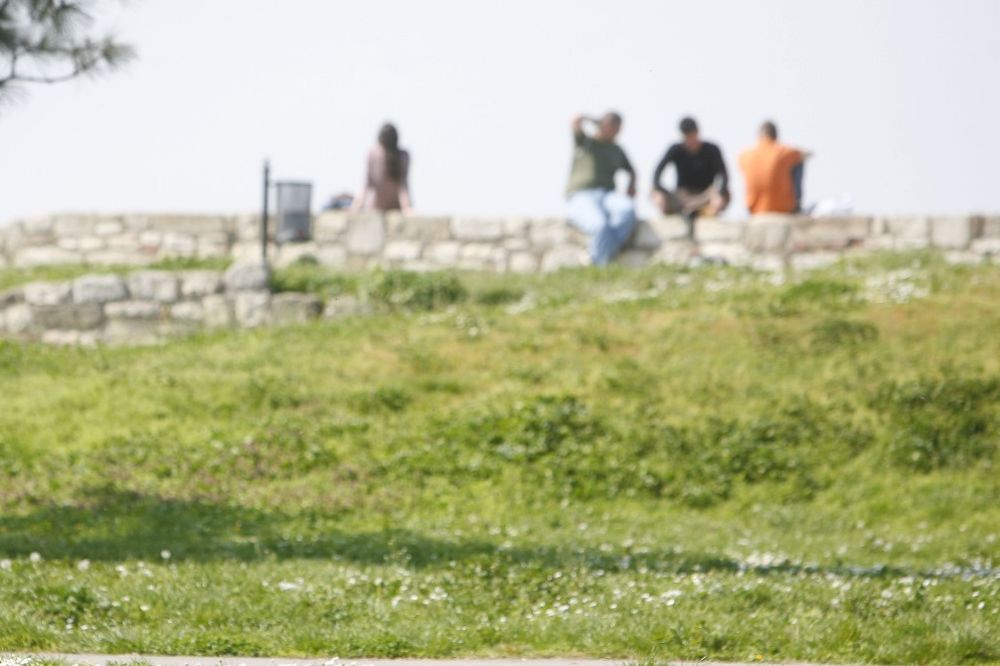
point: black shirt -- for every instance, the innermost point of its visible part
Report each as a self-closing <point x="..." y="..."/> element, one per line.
<point x="695" y="171"/>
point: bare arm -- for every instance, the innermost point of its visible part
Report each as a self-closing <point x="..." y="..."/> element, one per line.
<point x="658" y="173"/>
<point x="577" y="124"/>
<point x="405" y="204"/>
<point x="631" y="176"/>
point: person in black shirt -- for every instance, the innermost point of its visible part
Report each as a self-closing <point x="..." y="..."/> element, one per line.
<point x="702" y="180"/>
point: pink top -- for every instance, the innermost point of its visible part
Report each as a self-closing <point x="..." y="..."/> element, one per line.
<point x="385" y="190"/>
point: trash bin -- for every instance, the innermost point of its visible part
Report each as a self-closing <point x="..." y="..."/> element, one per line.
<point x="294" y="211"/>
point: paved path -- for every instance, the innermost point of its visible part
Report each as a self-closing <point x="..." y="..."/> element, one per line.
<point x="104" y="659"/>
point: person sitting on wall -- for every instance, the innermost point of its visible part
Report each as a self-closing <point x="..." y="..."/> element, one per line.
<point x="386" y="176"/>
<point x="594" y="205"/>
<point x="773" y="174"/>
<point x="702" y="180"/>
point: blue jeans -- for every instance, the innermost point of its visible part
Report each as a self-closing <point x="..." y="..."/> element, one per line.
<point x="604" y="215"/>
<point x="798" y="173"/>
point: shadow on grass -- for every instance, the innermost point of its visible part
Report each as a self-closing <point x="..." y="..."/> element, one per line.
<point x="118" y="525"/>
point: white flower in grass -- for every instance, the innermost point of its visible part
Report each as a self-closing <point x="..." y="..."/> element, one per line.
<point x="83" y="565"/>
<point x="35" y="557"/>
<point x="288" y="586"/>
<point x="165" y="554"/>
<point x="5" y="565"/>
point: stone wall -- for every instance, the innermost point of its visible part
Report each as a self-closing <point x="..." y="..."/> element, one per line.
<point x="147" y="306"/>
<point x="150" y="305"/>
<point x="516" y="244"/>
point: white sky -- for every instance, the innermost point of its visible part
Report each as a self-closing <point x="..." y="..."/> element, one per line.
<point x="900" y="99"/>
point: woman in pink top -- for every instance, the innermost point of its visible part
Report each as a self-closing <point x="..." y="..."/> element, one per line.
<point x="387" y="179"/>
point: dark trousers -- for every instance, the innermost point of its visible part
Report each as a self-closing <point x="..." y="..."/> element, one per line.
<point x="798" y="173"/>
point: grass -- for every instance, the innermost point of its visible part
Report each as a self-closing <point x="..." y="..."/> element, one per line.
<point x="650" y="464"/>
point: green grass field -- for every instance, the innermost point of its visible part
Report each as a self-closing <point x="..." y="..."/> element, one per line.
<point x="650" y="464"/>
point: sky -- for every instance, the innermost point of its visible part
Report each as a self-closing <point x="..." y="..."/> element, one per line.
<point x="898" y="99"/>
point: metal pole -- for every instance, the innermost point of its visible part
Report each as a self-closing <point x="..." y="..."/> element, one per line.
<point x="264" y="212"/>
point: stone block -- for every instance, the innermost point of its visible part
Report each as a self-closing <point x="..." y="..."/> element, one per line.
<point x="213" y="246"/>
<point x="327" y="226"/>
<point x="554" y="232"/>
<point x="123" y="242"/>
<point x="76" y="225"/>
<point x="402" y="250"/>
<point x="196" y="284"/>
<point x="178" y="245"/>
<point x="344" y="305"/>
<point x="634" y="258"/>
<point x="767" y="235"/>
<point x="289" y="253"/>
<point x="445" y="253"/>
<point x="365" y="235"/>
<point x="732" y="254"/>
<point x="160" y="286"/>
<point x="331" y="256"/>
<point x="77" y="316"/>
<point x="294" y="308"/>
<point x="247" y="276"/>
<point x="769" y="263"/>
<point x="675" y="253"/>
<point x="986" y="246"/>
<point x="482" y="257"/>
<point x="108" y="228"/>
<point x="190" y="225"/>
<point x="218" y="312"/>
<point x="908" y="232"/>
<point x="247" y="227"/>
<point x="135" y="222"/>
<point x="954" y="233"/>
<point x="522" y="262"/>
<point x="18" y="319"/>
<point x="516" y="227"/>
<point x="477" y="229"/>
<point x="77" y="243"/>
<point x="61" y="338"/>
<point x="832" y="233"/>
<point x="151" y="239"/>
<point x="99" y="289"/>
<point x="565" y="256"/>
<point x="990" y="227"/>
<point x="131" y="332"/>
<point x="48" y="293"/>
<point x="38" y="226"/>
<point x="427" y="229"/>
<point x="517" y="244"/>
<point x="117" y="258"/>
<point x="11" y="296"/>
<point x="145" y="310"/>
<point x="650" y="234"/>
<point x="714" y="230"/>
<point x="45" y="255"/>
<point x="251" y="308"/>
<point x="188" y="311"/>
<point x="250" y="251"/>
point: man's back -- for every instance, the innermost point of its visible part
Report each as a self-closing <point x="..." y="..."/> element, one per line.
<point x="767" y="168"/>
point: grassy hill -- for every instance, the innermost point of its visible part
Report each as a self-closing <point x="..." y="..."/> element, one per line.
<point x="659" y="463"/>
